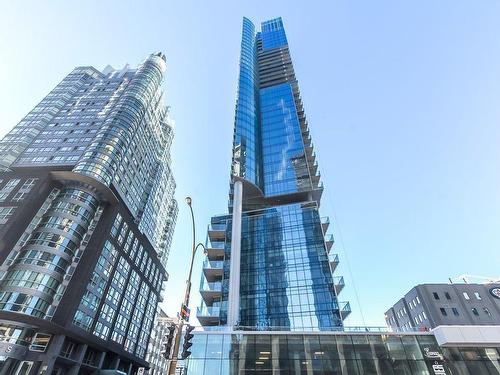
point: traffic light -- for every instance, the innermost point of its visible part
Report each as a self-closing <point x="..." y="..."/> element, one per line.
<point x="188" y="336"/>
<point x="167" y="345"/>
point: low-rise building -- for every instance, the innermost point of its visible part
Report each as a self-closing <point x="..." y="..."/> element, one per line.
<point x="428" y="306"/>
<point x="155" y="355"/>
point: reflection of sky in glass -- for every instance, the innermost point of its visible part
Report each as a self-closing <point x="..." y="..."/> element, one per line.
<point x="284" y="164"/>
<point x="273" y="34"/>
<point x="245" y="153"/>
<point x="283" y="275"/>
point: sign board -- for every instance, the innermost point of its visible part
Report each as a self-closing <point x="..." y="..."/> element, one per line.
<point x="495" y="292"/>
<point x="185" y="312"/>
<point x="436" y="364"/>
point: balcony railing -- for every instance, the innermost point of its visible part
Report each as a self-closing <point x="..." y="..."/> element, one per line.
<point x="215" y="244"/>
<point x="217" y="227"/>
<point x="215" y="248"/>
<point x="334" y="261"/>
<point x="325" y="223"/>
<point x="206" y="286"/>
<point x="213" y="264"/>
<point x="329" y="241"/>
<point x="300" y="331"/>
<point x="216" y="232"/>
<point x="208" y="311"/>
<point x="339" y="284"/>
<point x="345" y="309"/>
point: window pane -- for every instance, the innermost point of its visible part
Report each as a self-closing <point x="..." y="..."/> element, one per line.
<point x="362" y="347"/>
<point x="368" y="367"/>
<point x="395" y="347"/>
<point x="419" y="368"/>
<point x="345" y="347"/>
<point x="279" y="347"/>
<point x="379" y="348"/>
<point x="329" y="347"/>
<point x="212" y="366"/>
<point x="199" y="346"/>
<point x="214" y="346"/>
<point x="401" y="368"/>
<point x="411" y="347"/>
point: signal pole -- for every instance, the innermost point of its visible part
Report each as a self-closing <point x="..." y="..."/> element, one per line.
<point x="184" y="312"/>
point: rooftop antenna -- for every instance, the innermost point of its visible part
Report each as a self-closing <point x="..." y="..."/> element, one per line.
<point x="476" y="279"/>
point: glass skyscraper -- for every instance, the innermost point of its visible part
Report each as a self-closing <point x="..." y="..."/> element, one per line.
<point x="269" y="265"/>
<point x="87" y="212"/>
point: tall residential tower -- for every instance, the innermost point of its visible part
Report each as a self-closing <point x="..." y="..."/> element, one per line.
<point x="269" y="264"/>
<point x="87" y="212"/>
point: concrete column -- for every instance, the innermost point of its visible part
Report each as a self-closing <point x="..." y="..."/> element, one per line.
<point x="78" y="357"/>
<point x="115" y="363"/>
<point x="49" y="357"/>
<point x="233" y="310"/>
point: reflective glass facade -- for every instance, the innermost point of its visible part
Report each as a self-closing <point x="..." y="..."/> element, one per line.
<point x="336" y="354"/>
<point x="246" y="161"/>
<point x="285" y="166"/>
<point x="87" y="213"/>
<point x="283" y="283"/>
<point x="286" y="271"/>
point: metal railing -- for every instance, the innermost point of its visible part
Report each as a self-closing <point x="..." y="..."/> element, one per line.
<point x="308" y="330"/>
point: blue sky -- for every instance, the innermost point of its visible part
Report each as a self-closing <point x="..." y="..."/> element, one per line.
<point x="402" y="98"/>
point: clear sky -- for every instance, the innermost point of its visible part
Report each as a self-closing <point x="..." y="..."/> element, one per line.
<point x="402" y="98"/>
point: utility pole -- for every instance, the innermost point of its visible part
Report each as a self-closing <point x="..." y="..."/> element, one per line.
<point x="185" y="306"/>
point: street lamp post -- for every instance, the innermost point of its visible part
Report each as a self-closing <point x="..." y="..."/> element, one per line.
<point x="173" y="362"/>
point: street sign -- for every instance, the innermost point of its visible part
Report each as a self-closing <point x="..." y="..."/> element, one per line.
<point x="185" y="312"/>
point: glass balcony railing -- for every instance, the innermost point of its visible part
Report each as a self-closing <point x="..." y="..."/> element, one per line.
<point x="339" y="280"/>
<point x="217" y="227"/>
<point x="345" y="309"/>
<point x="325" y="223"/>
<point x="329" y="238"/>
<point x="213" y="264"/>
<point x="206" y="286"/>
<point x="208" y="311"/>
<point x="346" y="306"/>
<point x="333" y="258"/>
<point x="215" y="245"/>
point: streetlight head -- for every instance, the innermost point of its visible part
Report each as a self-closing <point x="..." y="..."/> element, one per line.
<point x="188" y="201"/>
